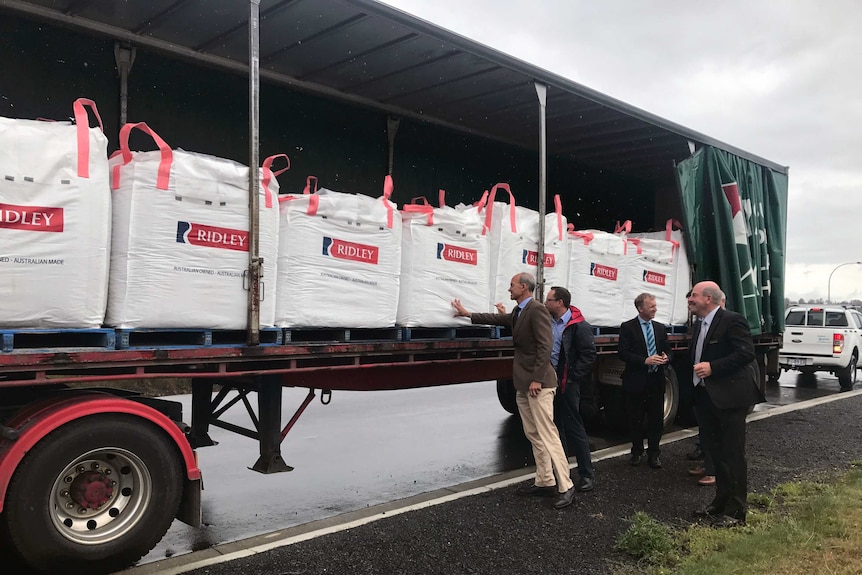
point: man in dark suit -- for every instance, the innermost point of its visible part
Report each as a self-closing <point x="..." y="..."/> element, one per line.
<point x="535" y="385"/>
<point x="725" y="380"/>
<point x="645" y="349"/>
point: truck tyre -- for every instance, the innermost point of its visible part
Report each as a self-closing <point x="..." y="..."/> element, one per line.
<point x="847" y="376"/>
<point x="506" y="395"/>
<point x="94" y="495"/>
<point x="671" y="396"/>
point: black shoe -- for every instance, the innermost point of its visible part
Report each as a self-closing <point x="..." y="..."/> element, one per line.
<point x="695" y="455"/>
<point x="536" y="490"/>
<point x="654" y="461"/>
<point x="724" y="521"/>
<point x="636" y="459"/>
<point x="585" y="484"/>
<point x="565" y="499"/>
<point x="709" y="511"/>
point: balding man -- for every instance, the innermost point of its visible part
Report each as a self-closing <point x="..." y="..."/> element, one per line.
<point x="535" y="385"/>
<point x="722" y="353"/>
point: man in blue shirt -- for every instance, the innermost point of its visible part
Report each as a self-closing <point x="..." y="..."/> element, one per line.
<point x="645" y="349"/>
<point x="572" y="356"/>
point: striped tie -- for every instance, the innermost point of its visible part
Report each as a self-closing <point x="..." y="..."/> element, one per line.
<point x="650" y="344"/>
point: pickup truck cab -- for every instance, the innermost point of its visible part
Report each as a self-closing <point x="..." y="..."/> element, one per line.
<point x="822" y="338"/>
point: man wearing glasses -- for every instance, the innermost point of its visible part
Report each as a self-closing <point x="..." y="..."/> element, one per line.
<point x="572" y="356"/>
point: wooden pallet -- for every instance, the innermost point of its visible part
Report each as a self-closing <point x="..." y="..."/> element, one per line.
<point x="340" y="335"/>
<point x="146" y="338"/>
<point x="41" y="340"/>
<point x="464" y="332"/>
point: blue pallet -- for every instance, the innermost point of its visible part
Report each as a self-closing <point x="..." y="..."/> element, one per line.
<point x="42" y="340"/>
<point x="167" y="338"/>
<point x="340" y="335"/>
<point x="464" y="332"/>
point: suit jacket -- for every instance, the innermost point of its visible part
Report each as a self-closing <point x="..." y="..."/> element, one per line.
<point x="729" y="349"/>
<point x="533" y="340"/>
<point x="633" y="350"/>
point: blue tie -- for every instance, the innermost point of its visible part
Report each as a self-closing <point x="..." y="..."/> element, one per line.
<point x="650" y="344"/>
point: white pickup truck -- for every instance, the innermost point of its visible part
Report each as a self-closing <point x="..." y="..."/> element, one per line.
<point x="822" y="338"/>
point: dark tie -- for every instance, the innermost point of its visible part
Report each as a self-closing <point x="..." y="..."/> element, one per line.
<point x="650" y="344"/>
<point x="515" y="315"/>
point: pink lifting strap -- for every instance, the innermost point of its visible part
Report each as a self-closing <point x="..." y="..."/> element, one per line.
<point x="268" y="175"/>
<point x="313" y="198"/>
<point x="512" y="211"/>
<point x="441" y="198"/>
<point x="82" y="124"/>
<point x="167" y="155"/>
<point x="388" y="186"/>
<point x="481" y="202"/>
<point x="634" y="241"/>
<point x="558" y="207"/>
<point x="625" y="228"/>
<point x="587" y="237"/>
<point x="415" y="207"/>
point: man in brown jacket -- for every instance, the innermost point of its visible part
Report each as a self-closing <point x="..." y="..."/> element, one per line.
<point x="536" y="384"/>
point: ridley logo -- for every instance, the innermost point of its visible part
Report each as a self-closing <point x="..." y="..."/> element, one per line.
<point x="212" y="237"/>
<point x="31" y="218"/>
<point x="601" y="271"/>
<point x="532" y="259"/>
<point x="457" y="254"/>
<point x="350" y="251"/>
<point x="654" y="278"/>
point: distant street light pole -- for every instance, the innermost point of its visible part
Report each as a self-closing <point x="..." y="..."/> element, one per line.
<point x="829" y="285"/>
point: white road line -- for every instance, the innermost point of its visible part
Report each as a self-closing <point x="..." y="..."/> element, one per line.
<point x="184" y="563"/>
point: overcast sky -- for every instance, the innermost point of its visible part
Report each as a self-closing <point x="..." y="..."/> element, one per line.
<point x="777" y="78"/>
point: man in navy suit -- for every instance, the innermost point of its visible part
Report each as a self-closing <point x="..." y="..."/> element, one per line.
<point x="645" y="349"/>
<point x="726" y="386"/>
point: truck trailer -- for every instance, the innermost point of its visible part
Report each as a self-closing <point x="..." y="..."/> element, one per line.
<point x="91" y="477"/>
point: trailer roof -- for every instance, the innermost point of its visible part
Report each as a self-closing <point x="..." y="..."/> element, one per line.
<point x="373" y="55"/>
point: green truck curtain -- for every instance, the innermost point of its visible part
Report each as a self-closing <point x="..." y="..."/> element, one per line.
<point x="735" y="215"/>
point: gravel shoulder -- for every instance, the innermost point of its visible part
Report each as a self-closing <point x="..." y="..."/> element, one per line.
<point x="501" y="533"/>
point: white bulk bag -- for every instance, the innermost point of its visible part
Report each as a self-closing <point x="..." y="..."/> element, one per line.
<point x="180" y="239"/>
<point x="677" y="271"/>
<point x="339" y="260"/>
<point x="596" y="276"/>
<point x="514" y="242"/>
<point x="650" y="269"/>
<point x="55" y="222"/>
<point x="444" y="255"/>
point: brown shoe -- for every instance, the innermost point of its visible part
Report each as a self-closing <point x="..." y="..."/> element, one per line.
<point x="697" y="471"/>
<point x="706" y="480"/>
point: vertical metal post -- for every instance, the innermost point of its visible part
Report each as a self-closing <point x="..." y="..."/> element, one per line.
<point x="392" y="124"/>
<point x="255" y="264"/>
<point x="542" y="92"/>
<point x="269" y="426"/>
<point x="124" y="56"/>
<point x="202" y="393"/>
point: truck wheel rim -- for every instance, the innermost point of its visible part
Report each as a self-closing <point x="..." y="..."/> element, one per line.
<point x="100" y="496"/>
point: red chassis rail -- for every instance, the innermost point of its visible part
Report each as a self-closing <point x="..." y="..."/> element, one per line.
<point x="343" y="366"/>
<point x="338" y="366"/>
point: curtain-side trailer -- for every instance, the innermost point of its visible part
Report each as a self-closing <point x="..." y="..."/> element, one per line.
<point x="90" y="479"/>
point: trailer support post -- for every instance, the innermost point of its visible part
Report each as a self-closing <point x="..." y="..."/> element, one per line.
<point x="269" y="426"/>
<point x="202" y="392"/>
<point x="254" y="260"/>
<point x="542" y="93"/>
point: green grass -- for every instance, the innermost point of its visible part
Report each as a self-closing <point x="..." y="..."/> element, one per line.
<point x="798" y="528"/>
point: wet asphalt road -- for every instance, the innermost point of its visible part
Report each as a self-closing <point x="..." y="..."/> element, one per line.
<point x="367" y="448"/>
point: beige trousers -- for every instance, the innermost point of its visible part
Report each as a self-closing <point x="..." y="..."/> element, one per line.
<point x="537" y="416"/>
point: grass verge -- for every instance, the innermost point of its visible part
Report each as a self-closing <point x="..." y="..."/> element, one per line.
<point x="805" y="527"/>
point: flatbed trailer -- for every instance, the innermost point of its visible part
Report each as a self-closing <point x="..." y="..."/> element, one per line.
<point x="91" y="477"/>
